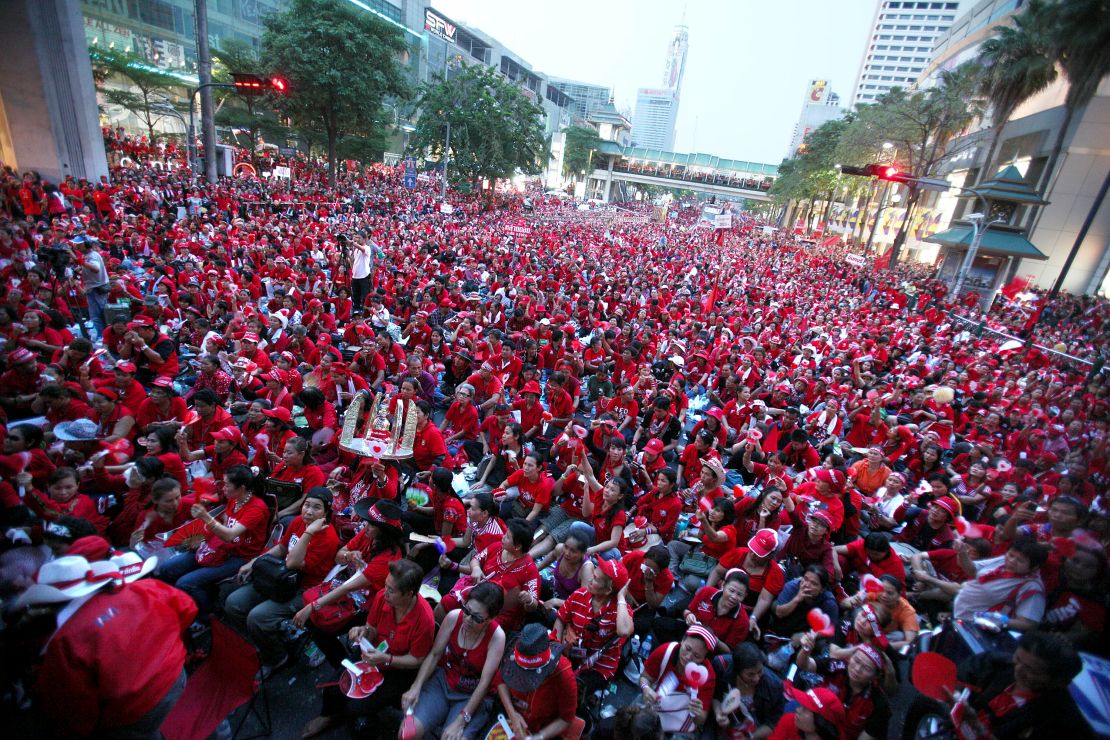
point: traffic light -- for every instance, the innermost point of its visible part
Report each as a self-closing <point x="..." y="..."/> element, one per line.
<point x="888" y="172"/>
<point x="252" y="84"/>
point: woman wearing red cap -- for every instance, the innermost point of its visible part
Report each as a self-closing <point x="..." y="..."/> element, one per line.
<point x="819" y="716"/>
<point x="678" y="681"/>
<point x="593" y="623"/>
<point x="162" y="408"/>
<point x="114" y="420"/>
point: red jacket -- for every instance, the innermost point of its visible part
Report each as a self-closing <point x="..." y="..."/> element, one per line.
<point x="115" y="658"/>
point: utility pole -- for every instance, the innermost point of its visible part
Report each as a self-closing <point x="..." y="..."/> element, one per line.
<point x="204" y="71"/>
<point x="446" y="149"/>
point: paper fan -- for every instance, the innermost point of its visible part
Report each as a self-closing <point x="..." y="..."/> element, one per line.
<point x="191" y="417"/>
<point x="696" y="675"/>
<point x="188" y="530"/>
<point x="932" y="674"/>
<point x="120" y="451"/>
<point x="819" y="622"/>
<point x="361" y="683"/>
<point x="416" y="496"/>
<point x="871" y="584"/>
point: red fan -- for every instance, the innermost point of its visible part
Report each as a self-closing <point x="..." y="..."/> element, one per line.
<point x="934" y="676"/>
<point x="191" y="417"/>
<point x="819" y="622"/>
<point x="755" y="435"/>
<point x="205" y="488"/>
<point x="967" y="529"/>
<point x="362" y="685"/>
<point x="871" y="584"/>
<point x="195" y="528"/>
<point x="24" y="460"/>
<point x="120" y="451"/>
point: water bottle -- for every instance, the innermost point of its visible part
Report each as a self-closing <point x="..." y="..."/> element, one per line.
<point x="313" y="654"/>
<point x="993" y="622"/>
<point x="645" y="647"/>
<point x="290" y="631"/>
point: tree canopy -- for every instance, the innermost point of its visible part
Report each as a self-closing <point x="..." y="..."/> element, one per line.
<point x="341" y="65"/>
<point x="495" y="129"/>
<point x="147" y="88"/>
<point x="580" y="141"/>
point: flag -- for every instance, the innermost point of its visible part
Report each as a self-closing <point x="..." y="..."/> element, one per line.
<point x="711" y="298"/>
<point x="1015" y="286"/>
<point x="719" y="237"/>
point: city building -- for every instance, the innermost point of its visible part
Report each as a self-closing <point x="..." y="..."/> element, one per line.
<point x="901" y="44"/>
<point x="1026" y="144"/>
<point x="821" y="104"/>
<point x="586" y="98"/>
<point x="448" y="43"/>
<point x="653" y="122"/>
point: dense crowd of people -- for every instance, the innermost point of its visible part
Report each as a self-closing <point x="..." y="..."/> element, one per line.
<point x="732" y="469"/>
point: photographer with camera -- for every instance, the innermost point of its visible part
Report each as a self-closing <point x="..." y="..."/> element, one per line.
<point x="94" y="274"/>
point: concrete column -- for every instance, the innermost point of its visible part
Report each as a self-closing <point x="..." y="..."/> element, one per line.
<point x="608" y="182"/>
<point x="48" y="113"/>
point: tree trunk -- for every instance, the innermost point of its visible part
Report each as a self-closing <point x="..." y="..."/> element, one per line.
<point x="332" y="137"/>
<point x="1058" y="147"/>
<point x="862" y="220"/>
<point x="996" y="137"/>
<point x="900" y="237"/>
<point x="828" y="209"/>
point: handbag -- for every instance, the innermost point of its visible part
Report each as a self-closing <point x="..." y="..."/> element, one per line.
<point x="697" y="564"/>
<point x="209" y="555"/>
<point x="330" y="618"/>
<point x="273" y="580"/>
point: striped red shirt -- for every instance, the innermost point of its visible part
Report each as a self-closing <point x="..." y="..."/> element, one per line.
<point x="592" y="630"/>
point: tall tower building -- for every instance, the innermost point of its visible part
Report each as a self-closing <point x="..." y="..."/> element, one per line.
<point x="821" y="104"/>
<point x="656" y="111"/>
<point x="901" y="44"/>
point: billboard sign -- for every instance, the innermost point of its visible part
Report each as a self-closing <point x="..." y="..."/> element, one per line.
<point x="439" y="25"/>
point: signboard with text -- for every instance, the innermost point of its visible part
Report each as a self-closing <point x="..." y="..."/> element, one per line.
<point x="439" y="25"/>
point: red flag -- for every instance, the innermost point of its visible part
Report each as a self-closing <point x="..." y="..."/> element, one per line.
<point x="719" y="237"/>
<point x="1036" y="315"/>
<point x="1015" y="286"/>
<point x="711" y="299"/>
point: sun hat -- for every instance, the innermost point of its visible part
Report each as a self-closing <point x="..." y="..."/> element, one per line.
<point x="531" y="660"/>
<point x="715" y="466"/>
<point x="64" y="579"/>
<point x="127" y="566"/>
<point x="379" y="511"/>
<point x="78" y="430"/>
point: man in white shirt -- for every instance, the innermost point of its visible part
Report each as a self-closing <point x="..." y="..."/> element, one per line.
<point x="362" y="266"/>
<point x="95" y="276"/>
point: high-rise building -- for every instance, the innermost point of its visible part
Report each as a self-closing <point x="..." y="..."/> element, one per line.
<point x="654" y="119"/>
<point x="587" y="98"/>
<point x="821" y="105"/>
<point x="901" y="44"/>
<point x="656" y="111"/>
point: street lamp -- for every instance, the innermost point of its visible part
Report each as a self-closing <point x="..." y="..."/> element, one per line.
<point x="979" y="226"/>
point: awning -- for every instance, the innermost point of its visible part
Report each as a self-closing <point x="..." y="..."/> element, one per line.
<point x="996" y="243"/>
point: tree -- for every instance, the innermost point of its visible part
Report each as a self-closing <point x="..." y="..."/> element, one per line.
<point x="580" y="142"/>
<point x="920" y="125"/>
<point x="812" y="175"/>
<point x="1017" y="64"/>
<point x="255" y="113"/>
<point x="148" y="87"/>
<point x="341" y="65"/>
<point x="1079" y="32"/>
<point x="495" y="129"/>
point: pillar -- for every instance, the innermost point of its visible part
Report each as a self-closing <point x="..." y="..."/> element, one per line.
<point x="48" y="113"/>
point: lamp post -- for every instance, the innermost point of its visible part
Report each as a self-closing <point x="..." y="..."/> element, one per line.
<point x="979" y="226"/>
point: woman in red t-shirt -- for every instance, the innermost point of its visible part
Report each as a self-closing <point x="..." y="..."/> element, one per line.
<point x="533" y="487"/>
<point x="400" y="621"/>
<point x="449" y="692"/>
<point x="308" y="545"/>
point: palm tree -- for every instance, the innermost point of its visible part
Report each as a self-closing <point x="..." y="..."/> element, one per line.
<point x="1017" y="64"/>
<point x="1079" y="32"/>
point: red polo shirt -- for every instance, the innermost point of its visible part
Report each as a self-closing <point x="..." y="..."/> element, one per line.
<point x="731" y="627"/>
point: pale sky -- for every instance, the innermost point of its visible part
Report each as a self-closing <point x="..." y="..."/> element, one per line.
<point x="746" y="71"/>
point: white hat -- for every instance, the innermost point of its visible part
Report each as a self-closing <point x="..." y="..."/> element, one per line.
<point x="128" y="565"/>
<point x="64" y="579"/>
<point x="677" y="360"/>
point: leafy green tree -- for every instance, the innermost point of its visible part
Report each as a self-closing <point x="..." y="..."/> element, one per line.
<point x="148" y="88"/>
<point x="580" y="141"/>
<point x="250" y="112"/>
<point x="1080" y="40"/>
<point x="1017" y="64"/>
<point x="341" y="65"/>
<point x="495" y="129"/>
<point x="921" y="125"/>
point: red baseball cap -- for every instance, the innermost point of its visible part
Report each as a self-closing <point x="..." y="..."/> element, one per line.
<point x="280" y="413"/>
<point x="616" y="572"/>
<point x="822" y="702"/>
<point x="764" y="543"/>
<point x="126" y="367"/>
<point x="654" y="446"/>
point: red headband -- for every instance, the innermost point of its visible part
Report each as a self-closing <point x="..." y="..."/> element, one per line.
<point x="377" y="516"/>
<point x="532" y="662"/>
